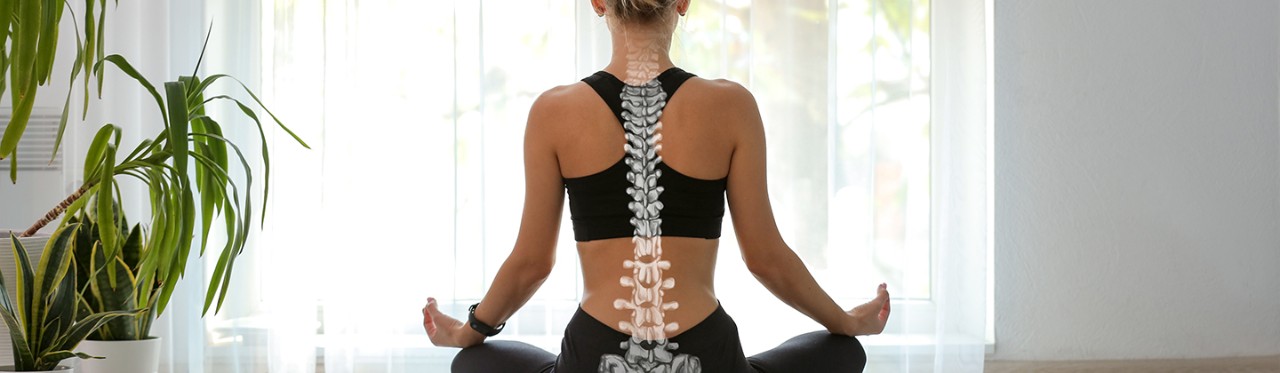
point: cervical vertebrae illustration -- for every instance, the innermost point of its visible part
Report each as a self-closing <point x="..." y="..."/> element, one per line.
<point x="648" y="349"/>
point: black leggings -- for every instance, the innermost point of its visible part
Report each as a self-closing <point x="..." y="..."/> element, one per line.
<point x="712" y="346"/>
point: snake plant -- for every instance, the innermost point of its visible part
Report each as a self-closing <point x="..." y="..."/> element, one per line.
<point x="104" y="293"/>
<point x="46" y="316"/>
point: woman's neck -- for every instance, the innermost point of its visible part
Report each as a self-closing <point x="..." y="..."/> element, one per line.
<point x="639" y="54"/>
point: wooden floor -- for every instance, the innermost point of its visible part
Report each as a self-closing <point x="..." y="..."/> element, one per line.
<point x="1235" y="365"/>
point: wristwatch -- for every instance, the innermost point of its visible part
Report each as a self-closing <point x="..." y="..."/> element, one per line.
<point x="480" y="327"/>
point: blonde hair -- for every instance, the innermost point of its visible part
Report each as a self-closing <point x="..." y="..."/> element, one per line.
<point x="641" y="10"/>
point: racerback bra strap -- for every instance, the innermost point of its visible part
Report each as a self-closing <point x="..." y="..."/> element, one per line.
<point x="609" y="87"/>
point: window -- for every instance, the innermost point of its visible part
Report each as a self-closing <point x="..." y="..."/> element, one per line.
<point x="416" y="112"/>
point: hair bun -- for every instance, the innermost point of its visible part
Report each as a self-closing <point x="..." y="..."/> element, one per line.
<point x="641" y="10"/>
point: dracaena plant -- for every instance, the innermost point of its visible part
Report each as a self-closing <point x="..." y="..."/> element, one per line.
<point x="187" y="173"/>
<point x="28" y="44"/>
<point x="45" y="315"/>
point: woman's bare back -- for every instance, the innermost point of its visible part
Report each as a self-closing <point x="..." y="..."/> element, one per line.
<point x="696" y="142"/>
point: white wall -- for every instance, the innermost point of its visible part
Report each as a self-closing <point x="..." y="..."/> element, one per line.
<point x="1137" y="179"/>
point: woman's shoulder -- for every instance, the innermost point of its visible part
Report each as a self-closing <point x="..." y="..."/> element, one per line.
<point x="563" y="97"/>
<point x="726" y="100"/>
<point x="559" y="104"/>
<point x="729" y="105"/>
<point x="726" y="96"/>
<point x="719" y="92"/>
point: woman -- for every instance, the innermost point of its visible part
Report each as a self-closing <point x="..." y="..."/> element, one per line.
<point x="647" y="173"/>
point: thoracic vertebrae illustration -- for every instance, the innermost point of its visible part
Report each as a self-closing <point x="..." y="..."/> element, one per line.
<point x="642" y="105"/>
<point x="648" y="349"/>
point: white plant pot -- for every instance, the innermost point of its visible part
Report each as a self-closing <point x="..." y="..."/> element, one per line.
<point x="121" y="356"/>
<point x="59" y="369"/>
<point x="8" y="265"/>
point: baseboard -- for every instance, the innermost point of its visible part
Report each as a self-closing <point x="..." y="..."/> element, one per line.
<point x="1267" y="364"/>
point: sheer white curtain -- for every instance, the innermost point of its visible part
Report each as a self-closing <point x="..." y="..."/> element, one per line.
<point x="875" y="112"/>
<point x="163" y="40"/>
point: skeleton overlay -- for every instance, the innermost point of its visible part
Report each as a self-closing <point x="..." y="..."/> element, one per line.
<point x="648" y="349"/>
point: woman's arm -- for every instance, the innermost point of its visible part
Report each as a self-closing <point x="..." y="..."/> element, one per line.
<point x="532" y="258"/>
<point x="768" y="258"/>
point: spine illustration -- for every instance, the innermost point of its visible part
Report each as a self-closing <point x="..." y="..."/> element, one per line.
<point x="643" y="105"/>
<point x="647" y="350"/>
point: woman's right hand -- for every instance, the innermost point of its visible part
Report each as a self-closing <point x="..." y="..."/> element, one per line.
<point x="871" y="317"/>
<point x="446" y="331"/>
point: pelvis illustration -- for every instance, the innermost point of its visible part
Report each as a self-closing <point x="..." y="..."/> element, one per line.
<point x="650" y="357"/>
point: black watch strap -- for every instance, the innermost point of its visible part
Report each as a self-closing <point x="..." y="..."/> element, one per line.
<point x="481" y="327"/>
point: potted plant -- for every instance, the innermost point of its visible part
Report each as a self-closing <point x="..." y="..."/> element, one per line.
<point x="33" y="247"/>
<point x="28" y="44"/>
<point x="44" y="316"/>
<point x="125" y="343"/>
<point x="186" y="172"/>
<point x="185" y="168"/>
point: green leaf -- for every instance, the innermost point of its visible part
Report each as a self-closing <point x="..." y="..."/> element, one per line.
<point x="24" y="276"/>
<point x="105" y="213"/>
<point x="21" y="349"/>
<point x="54" y="357"/>
<point x="178" y="125"/>
<point x="269" y="112"/>
<point x="146" y="143"/>
<point x="93" y="160"/>
<point x="124" y="66"/>
<point x="132" y="249"/>
<point x="24" y="101"/>
<point x="203" y="48"/>
<point x="101" y="37"/>
<point x="144" y="322"/>
<point x="62" y="305"/>
<point x="266" y="157"/>
<point x="120" y="296"/>
<point x="90" y="52"/>
<point x="220" y="268"/>
<point x="212" y="186"/>
<point x="86" y="243"/>
<point x="220" y="174"/>
<point x="17" y="331"/>
<point x="55" y="262"/>
<point x="237" y="233"/>
<point x="5" y="301"/>
<point x="6" y="7"/>
<point x="87" y="325"/>
<point x="178" y="262"/>
<point x="48" y="44"/>
<point x="113" y="297"/>
<point x="217" y="177"/>
<point x="82" y="306"/>
<point x="24" y="39"/>
<point x="208" y="194"/>
<point x="172" y="225"/>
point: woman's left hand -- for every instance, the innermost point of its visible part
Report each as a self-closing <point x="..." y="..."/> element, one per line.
<point x="445" y="331"/>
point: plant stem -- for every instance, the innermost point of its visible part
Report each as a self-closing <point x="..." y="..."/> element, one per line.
<point x="57" y="210"/>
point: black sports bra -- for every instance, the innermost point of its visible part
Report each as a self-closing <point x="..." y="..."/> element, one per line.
<point x="640" y="196"/>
